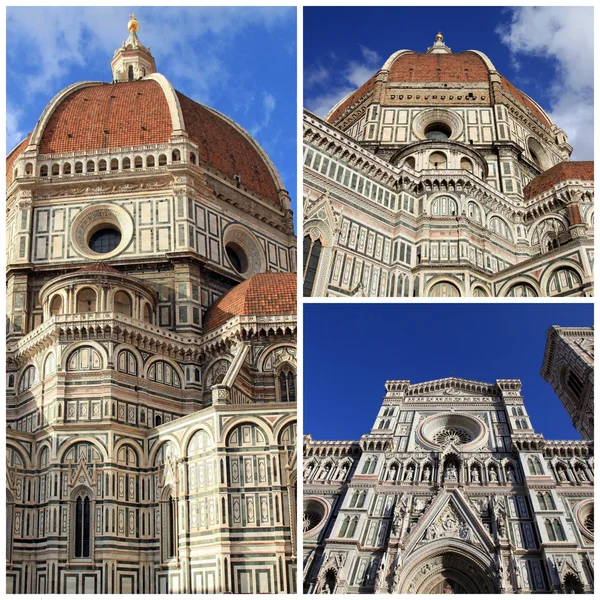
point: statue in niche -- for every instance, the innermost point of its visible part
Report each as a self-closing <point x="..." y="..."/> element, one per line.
<point x="343" y="471"/>
<point x="450" y="474"/>
<point x="475" y="475"/>
<point x="493" y="474"/>
<point x="511" y="474"/>
<point x="399" y="516"/>
<point x="380" y="577"/>
<point x="581" y="474"/>
<point x="427" y="473"/>
<point x="393" y="472"/>
<point x="500" y="516"/>
<point x="409" y="474"/>
<point x="562" y="475"/>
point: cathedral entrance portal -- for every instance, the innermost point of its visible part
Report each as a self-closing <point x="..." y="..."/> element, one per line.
<point x="447" y="571"/>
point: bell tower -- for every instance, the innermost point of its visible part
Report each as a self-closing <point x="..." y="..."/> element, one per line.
<point x="132" y="60"/>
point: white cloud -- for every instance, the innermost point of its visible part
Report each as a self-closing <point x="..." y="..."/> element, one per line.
<point x="353" y="74"/>
<point x="14" y="134"/>
<point x="268" y="103"/>
<point x="565" y="35"/>
<point x="46" y="43"/>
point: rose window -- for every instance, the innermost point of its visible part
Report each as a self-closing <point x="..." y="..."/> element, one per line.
<point x="314" y="514"/>
<point x="452" y="436"/>
<point x="311" y="520"/>
<point x="589" y="522"/>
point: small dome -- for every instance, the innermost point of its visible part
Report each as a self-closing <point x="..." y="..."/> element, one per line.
<point x="563" y="171"/>
<point x="261" y="295"/>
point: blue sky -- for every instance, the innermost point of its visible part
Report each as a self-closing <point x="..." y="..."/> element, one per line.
<point x="545" y="51"/>
<point x="240" y="61"/>
<point x="350" y="350"/>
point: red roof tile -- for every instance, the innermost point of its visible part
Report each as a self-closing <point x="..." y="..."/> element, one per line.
<point x="574" y="170"/>
<point x="352" y="98"/>
<point x="262" y="294"/>
<point x="459" y="67"/>
<point x="224" y="148"/>
<point x="519" y="96"/>
<point x="110" y="115"/>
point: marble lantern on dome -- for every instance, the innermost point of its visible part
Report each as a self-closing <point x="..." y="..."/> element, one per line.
<point x="151" y="346"/>
<point x="439" y="178"/>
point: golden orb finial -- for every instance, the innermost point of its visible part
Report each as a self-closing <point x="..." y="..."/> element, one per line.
<point x="133" y="24"/>
<point x="439" y="37"/>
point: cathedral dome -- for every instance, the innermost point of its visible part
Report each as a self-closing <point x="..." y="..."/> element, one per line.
<point x="564" y="171"/>
<point x="262" y="294"/>
<point x="93" y="116"/>
<point x="420" y="75"/>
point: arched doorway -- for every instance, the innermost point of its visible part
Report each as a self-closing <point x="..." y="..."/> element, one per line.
<point x="448" y="566"/>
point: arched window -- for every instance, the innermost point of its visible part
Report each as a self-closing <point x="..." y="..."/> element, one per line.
<point x="560" y="532"/>
<point x="56" y="305"/>
<point x="28" y="378"/>
<point x="78" y="167"/>
<point x="373" y="465"/>
<point x="361" y="499"/>
<point x="102" y="165"/>
<point x="90" y="166"/>
<point x="550" y="530"/>
<point x="176" y="156"/>
<point x="44" y="171"/>
<point x="287" y="385"/>
<point x="114" y="165"/>
<point x="354" y="499"/>
<point x="312" y="252"/>
<point x="29" y="169"/>
<point x="344" y="527"/>
<point x="86" y="301"/>
<point x="150" y="161"/>
<point x="564" y="281"/>
<point x="192" y="158"/>
<point x="55" y="169"/>
<point x="542" y="500"/>
<point x="353" y="525"/>
<point x="49" y="365"/>
<point x="137" y="162"/>
<point x="147" y="313"/>
<point x="67" y="169"/>
<point x="572" y="584"/>
<point x="157" y="420"/>
<point x="473" y="212"/>
<point x="466" y="164"/>
<point x="82" y="527"/>
<point x="437" y="160"/>
<point x="410" y="162"/>
<point x="521" y="290"/>
<point x="535" y="467"/>
<point x="126" y="163"/>
<point x="162" y="160"/>
<point x="130" y="72"/>
<point x="444" y="289"/>
<point x="499" y="226"/>
<point x="366" y="466"/>
<point x="444" y="205"/>
<point x="122" y="303"/>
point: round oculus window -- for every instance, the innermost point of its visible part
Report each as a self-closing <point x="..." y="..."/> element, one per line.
<point x="105" y="240"/>
<point x="237" y="257"/>
<point x="313" y="515"/>
<point x="438" y="131"/>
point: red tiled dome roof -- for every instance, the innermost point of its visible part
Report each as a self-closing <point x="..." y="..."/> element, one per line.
<point x="10" y="159"/>
<point x="462" y="67"/>
<point x="563" y="171"/>
<point x="262" y="294"/>
<point x="113" y="115"/>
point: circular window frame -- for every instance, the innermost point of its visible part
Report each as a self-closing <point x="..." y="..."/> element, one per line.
<point x="247" y="242"/>
<point x="432" y="116"/>
<point x="433" y="424"/>
<point x="97" y="217"/>
<point x="584" y="508"/>
<point x="324" y="515"/>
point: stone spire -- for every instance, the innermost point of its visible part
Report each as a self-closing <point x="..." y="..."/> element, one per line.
<point x="439" y="47"/>
<point x="133" y="60"/>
